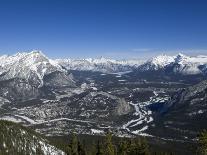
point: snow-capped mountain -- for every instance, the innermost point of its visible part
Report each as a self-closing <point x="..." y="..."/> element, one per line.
<point x="27" y="75"/>
<point x="34" y="67"/>
<point x="99" y="64"/>
<point x="179" y="64"/>
<point x="31" y="67"/>
<point x="157" y="63"/>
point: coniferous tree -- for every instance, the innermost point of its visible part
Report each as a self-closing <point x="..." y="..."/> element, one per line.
<point x="202" y="143"/>
<point x="109" y="148"/>
<point x="68" y="150"/>
<point x="123" y="147"/>
<point x="81" y="149"/>
<point x="99" y="149"/>
<point x="132" y="148"/>
<point x="137" y="147"/>
<point x="74" y="144"/>
<point x="39" y="150"/>
<point x="143" y="147"/>
<point x="92" y="150"/>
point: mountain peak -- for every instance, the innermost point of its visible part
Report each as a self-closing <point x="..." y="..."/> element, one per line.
<point x="28" y="65"/>
<point x="181" y="55"/>
<point x="162" y="60"/>
<point x="180" y="58"/>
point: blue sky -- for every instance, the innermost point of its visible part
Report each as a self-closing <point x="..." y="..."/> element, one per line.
<point x="110" y="28"/>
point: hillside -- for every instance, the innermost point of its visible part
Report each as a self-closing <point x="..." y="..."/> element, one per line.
<point x="18" y="140"/>
<point x="186" y="116"/>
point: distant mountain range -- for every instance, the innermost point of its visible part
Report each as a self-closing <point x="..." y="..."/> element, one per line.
<point x="179" y="64"/>
<point x="36" y="65"/>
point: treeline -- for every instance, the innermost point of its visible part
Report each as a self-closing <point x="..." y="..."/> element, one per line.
<point x="106" y="146"/>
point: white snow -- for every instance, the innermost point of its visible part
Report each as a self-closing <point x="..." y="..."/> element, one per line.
<point x="62" y="119"/>
<point x="96" y="131"/>
<point x="140" y="131"/>
<point x="100" y="64"/>
<point x="187" y="64"/>
<point x="28" y="66"/>
<point x="35" y="62"/>
<point x="31" y="121"/>
<point x="10" y="118"/>
<point x="162" y="60"/>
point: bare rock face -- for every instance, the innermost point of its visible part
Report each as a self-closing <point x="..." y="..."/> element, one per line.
<point x="19" y="89"/>
<point x="58" y="79"/>
<point x="186" y="96"/>
<point x="123" y="107"/>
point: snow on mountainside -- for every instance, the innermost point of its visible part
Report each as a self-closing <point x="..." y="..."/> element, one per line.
<point x="31" y="66"/>
<point x="180" y="63"/>
<point x="101" y="64"/>
<point x="157" y="62"/>
<point x="18" y="140"/>
<point x="34" y="67"/>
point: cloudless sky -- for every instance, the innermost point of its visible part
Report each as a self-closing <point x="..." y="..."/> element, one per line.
<point x="111" y="28"/>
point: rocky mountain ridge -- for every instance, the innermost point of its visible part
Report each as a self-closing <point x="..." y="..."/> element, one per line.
<point x="179" y="64"/>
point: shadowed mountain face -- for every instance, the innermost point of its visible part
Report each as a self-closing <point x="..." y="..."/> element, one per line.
<point x="18" y="140"/>
<point x="92" y="96"/>
<point x="187" y="114"/>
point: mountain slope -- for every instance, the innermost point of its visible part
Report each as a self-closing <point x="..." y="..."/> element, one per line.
<point x="187" y="114"/>
<point x="27" y="76"/>
<point x="100" y="65"/>
<point x="179" y="64"/>
<point x="31" y="67"/>
<point x="18" y="140"/>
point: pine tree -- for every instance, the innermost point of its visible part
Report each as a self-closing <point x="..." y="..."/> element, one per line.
<point x="92" y="150"/>
<point x="109" y="148"/>
<point x="138" y="147"/>
<point x="132" y="148"/>
<point x="81" y="149"/>
<point x="68" y="150"/>
<point x="123" y="147"/>
<point x="99" y="149"/>
<point x="39" y="150"/>
<point x="202" y="143"/>
<point x="144" y="148"/>
<point x="74" y="144"/>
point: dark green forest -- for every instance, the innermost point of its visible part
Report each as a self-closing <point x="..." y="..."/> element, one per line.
<point x="109" y="145"/>
<point x="74" y="144"/>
